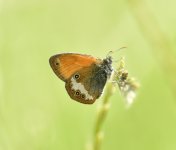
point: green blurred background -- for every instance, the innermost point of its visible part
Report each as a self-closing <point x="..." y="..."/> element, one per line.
<point x="35" y="111"/>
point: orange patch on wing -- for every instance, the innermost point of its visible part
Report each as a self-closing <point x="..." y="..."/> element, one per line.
<point x="70" y="63"/>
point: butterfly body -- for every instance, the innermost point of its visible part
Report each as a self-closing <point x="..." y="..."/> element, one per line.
<point x="84" y="76"/>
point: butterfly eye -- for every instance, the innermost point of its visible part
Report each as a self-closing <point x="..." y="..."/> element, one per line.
<point x="77" y="93"/>
<point x="76" y="76"/>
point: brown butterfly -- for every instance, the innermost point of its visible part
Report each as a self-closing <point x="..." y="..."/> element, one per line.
<point x="84" y="76"/>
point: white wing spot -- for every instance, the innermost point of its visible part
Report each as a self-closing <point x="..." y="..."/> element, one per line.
<point x="81" y="88"/>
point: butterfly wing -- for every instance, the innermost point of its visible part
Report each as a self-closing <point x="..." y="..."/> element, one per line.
<point x="65" y="64"/>
<point x="84" y="75"/>
<point x="86" y="85"/>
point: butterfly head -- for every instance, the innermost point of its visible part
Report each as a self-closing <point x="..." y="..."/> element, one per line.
<point x="107" y="60"/>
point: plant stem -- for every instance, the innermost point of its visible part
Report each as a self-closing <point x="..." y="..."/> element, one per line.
<point x="102" y="113"/>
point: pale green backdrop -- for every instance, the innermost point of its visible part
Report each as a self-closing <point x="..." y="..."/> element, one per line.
<point x="35" y="111"/>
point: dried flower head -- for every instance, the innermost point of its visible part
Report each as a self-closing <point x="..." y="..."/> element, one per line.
<point x="126" y="84"/>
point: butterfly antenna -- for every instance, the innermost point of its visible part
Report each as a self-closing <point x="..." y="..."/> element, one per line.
<point x="110" y="52"/>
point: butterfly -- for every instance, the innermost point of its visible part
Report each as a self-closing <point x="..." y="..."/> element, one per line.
<point x="85" y="76"/>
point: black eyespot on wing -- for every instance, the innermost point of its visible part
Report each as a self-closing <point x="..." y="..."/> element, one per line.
<point x="83" y="96"/>
<point x="56" y="63"/>
<point x="77" y="93"/>
<point x="76" y="76"/>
